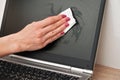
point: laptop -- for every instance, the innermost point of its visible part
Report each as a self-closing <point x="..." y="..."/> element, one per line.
<point x="74" y="53"/>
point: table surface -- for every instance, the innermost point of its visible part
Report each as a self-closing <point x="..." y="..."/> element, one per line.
<point x="105" y="73"/>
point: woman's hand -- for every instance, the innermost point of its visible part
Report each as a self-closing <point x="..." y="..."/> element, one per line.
<point x="35" y="35"/>
<point x="38" y="34"/>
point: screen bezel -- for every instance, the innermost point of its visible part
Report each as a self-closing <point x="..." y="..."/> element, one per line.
<point x="80" y="63"/>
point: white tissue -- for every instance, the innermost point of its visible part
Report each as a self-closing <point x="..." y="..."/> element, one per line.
<point x="68" y="13"/>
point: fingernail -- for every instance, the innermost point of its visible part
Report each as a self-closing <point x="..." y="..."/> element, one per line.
<point x="66" y="24"/>
<point x="63" y="16"/>
<point x="67" y="19"/>
<point x="62" y="33"/>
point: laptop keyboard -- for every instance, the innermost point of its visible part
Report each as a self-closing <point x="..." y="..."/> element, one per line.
<point x="12" y="71"/>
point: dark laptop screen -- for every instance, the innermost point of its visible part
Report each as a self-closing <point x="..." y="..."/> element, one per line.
<point x="77" y="47"/>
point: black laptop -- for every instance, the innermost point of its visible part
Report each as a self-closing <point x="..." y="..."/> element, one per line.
<point x="74" y="53"/>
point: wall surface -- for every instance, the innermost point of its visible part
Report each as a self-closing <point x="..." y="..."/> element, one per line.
<point x="2" y="4"/>
<point x="109" y="43"/>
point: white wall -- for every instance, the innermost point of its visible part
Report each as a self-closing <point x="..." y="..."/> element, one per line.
<point x="109" y="44"/>
<point x="2" y="4"/>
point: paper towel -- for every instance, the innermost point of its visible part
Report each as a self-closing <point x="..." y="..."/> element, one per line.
<point x="68" y="13"/>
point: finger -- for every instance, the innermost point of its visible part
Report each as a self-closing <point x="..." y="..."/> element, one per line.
<point x="50" y="40"/>
<point x="55" y="26"/>
<point x="56" y="31"/>
<point x="50" y="20"/>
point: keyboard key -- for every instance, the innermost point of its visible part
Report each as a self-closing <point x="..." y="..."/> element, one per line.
<point x="12" y="71"/>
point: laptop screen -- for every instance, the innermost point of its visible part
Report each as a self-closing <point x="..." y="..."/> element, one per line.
<point x="76" y="48"/>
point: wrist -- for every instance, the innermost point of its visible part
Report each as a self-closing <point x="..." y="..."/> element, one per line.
<point x="14" y="45"/>
<point x="9" y="44"/>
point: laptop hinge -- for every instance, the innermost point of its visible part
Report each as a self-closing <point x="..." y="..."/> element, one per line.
<point x="81" y="71"/>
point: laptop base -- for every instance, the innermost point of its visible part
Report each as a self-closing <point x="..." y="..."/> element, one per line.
<point x="26" y="63"/>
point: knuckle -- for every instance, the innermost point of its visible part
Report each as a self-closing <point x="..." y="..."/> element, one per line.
<point x="33" y="23"/>
<point x="52" y="32"/>
<point x="42" y="40"/>
<point x="37" y="34"/>
<point x="40" y="33"/>
<point x="52" y="19"/>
